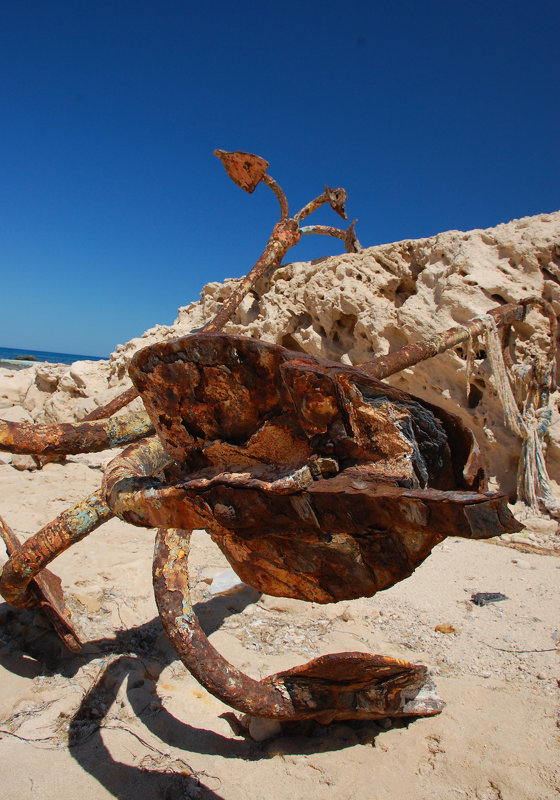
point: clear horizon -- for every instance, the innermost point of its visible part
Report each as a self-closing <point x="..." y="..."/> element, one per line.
<point x="114" y="212"/>
<point x="21" y="351"/>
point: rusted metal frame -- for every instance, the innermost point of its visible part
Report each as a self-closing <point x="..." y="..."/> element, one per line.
<point x="25" y="562"/>
<point x="77" y="437"/>
<point x="153" y="503"/>
<point x="338" y="686"/>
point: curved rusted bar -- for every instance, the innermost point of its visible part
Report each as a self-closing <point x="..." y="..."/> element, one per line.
<point x="35" y="553"/>
<point x="279" y="192"/>
<point x="336" y="197"/>
<point x="324" y="230"/>
<point x="24" y="581"/>
<point x="73" y="437"/>
<point x="351" y="243"/>
<point x="45" y="592"/>
<point x="126" y="483"/>
<point x="337" y="686"/>
<point x="312" y="206"/>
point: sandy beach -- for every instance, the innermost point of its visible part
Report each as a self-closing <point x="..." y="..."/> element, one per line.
<point x="124" y="718"/>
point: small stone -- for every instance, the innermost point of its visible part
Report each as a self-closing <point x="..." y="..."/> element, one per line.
<point x="446" y="627"/>
<point x="208" y="574"/>
<point x="262" y="729"/>
<point x="346" y="615"/>
<point x="23" y="462"/>
<point x="226" y="582"/>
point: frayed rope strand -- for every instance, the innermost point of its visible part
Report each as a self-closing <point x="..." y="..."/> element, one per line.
<point x="533" y="481"/>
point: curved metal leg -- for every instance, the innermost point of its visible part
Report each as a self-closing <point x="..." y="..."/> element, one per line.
<point x="338" y="686"/>
<point x="20" y="582"/>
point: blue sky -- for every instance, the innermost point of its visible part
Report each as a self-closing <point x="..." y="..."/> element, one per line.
<point x="113" y="210"/>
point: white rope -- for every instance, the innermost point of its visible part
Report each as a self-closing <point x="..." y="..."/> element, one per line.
<point x="533" y="481"/>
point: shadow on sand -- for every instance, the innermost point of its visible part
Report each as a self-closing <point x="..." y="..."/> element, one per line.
<point x="158" y="775"/>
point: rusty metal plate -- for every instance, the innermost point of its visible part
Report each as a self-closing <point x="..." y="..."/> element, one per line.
<point x="245" y="169"/>
<point x="316" y="480"/>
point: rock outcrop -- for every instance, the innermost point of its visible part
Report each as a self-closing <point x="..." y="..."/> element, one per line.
<point x="356" y="306"/>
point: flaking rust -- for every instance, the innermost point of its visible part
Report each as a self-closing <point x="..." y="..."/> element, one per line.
<point x="317" y="480"/>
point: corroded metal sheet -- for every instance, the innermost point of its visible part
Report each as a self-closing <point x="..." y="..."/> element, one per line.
<point x="316" y="480"/>
<point x="245" y="169"/>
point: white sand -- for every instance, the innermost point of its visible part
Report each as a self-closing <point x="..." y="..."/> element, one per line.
<point x="142" y="727"/>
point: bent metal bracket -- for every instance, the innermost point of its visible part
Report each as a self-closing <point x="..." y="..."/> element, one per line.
<point x="317" y="481"/>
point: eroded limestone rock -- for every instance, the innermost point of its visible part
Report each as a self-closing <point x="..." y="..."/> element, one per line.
<point x="353" y="307"/>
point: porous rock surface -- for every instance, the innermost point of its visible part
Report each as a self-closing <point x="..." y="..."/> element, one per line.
<point x="353" y="307"/>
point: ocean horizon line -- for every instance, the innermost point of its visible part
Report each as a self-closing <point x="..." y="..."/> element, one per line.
<point x="44" y="356"/>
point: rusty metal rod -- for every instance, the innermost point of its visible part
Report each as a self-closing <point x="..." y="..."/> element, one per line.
<point x="325" y="230"/>
<point x="413" y="353"/>
<point x="209" y="667"/>
<point x="35" y="553"/>
<point x="77" y="437"/>
<point x="312" y="206"/>
<point x="351" y="243"/>
<point x="286" y="234"/>
<point x="335" y="197"/>
<point x="118" y="402"/>
<point x="44" y="591"/>
<point x="279" y="192"/>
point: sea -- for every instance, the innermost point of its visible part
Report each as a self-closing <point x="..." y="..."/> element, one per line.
<point x="19" y="358"/>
